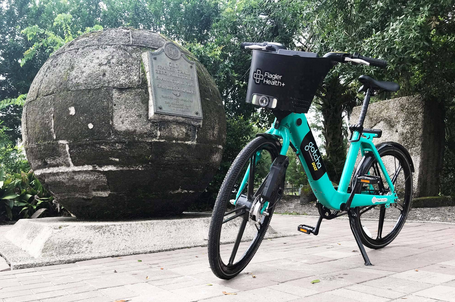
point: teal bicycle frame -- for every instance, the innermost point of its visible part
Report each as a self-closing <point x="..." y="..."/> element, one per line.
<point x="294" y="129"/>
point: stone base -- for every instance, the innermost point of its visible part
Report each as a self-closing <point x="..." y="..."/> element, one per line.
<point x="47" y="241"/>
<point x="433" y="202"/>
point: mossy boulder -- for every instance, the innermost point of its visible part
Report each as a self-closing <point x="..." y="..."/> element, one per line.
<point x="89" y="138"/>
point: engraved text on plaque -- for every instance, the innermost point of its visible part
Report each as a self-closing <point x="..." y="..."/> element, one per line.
<point x="173" y="83"/>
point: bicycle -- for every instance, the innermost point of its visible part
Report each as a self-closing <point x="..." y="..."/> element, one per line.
<point x="285" y="81"/>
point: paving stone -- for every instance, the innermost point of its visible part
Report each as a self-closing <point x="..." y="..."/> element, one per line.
<point x="416" y="299"/>
<point x="261" y="294"/>
<point x="16" y="293"/>
<point x="380" y="292"/>
<point x="77" y="297"/>
<point x="7" y="283"/>
<point x="201" y="292"/>
<point x="439" y="292"/>
<point x="324" y="284"/>
<point x="337" y="254"/>
<point x="168" y="297"/>
<point x="357" y="296"/>
<point x="179" y="282"/>
<point x="95" y="299"/>
<point x="283" y="267"/>
<point x="244" y="281"/>
<point x="276" y="274"/>
<point x="323" y="297"/>
<point x="397" y="284"/>
<point x="113" y="280"/>
<point x="19" y="287"/>
<point x="36" y="297"/>
<point x="118" y="293"/>
<point x="192" y="269"/>
<point x="146" y="289"/>
<point x="450" y="262"/>
<point x="294" y="290"/>
<point x="70" y="288"/>
<point x="425" y="276"/>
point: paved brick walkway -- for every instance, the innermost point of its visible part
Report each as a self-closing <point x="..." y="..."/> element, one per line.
<point x="418" y="266"/>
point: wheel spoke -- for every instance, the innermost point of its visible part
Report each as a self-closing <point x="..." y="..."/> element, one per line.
<point x="242" y="209"/>
<point x="395" y="176"/>
<point x="366" y="210"/>
<point x="381" y="222"/>
<point x="237" y="241"/>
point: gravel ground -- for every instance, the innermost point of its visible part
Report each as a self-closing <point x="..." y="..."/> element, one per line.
<point x="441" y="214"/>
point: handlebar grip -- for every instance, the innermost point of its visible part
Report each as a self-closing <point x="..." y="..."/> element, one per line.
<point x="374" y="62"/>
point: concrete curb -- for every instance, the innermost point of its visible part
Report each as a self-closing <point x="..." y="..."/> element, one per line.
<point x="49" y="241"/>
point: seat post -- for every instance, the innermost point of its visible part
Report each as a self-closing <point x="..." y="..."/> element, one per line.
<point x="363" y="113"/>
<point x="365" y="104"/>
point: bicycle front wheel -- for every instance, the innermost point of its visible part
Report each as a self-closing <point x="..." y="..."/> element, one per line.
<point x="235" y="235"/>
<point x="377" y="225"/>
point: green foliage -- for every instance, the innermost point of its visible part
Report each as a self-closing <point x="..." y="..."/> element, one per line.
<point x="239" y="21"/>
<point x="21" y="195"/>
<point x="10" y="120"/>
<point x="12" y="159"/>
<point x="295" y="175"/>
<point x="417" y="38"/>
<point x="49" y="41"/>
<point x="7" y="197"/>
<point x="238" y="133"/>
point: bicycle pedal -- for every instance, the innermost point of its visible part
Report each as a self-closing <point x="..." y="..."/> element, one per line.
<point x="305" y="229"/>
<point x="369" y="179"/>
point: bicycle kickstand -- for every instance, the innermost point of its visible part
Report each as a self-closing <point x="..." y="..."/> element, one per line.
<point x="352" y="216"/>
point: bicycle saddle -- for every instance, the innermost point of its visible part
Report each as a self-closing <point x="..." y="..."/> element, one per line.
<point x="369" y="82"/>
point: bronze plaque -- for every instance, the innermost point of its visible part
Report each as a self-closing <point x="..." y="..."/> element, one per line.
<point x="173" y="83"/>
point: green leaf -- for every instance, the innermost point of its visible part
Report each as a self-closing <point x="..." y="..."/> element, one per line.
<point x="9" y="196"/>
<point x="10" y="203"/>
<point x="40" y="201"/>
<point x="26" y="197"/>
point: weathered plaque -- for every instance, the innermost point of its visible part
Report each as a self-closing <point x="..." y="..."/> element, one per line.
<point x="173" y="83"/>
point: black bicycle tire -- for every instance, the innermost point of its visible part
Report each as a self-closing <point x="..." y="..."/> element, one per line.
<point x="407" y="203"/>
<point x="218" y="267"/>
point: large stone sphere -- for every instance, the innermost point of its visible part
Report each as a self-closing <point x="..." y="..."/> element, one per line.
<point x="90" y="140"/>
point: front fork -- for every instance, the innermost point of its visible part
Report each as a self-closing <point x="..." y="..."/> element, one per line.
<point x="271" y="190"/>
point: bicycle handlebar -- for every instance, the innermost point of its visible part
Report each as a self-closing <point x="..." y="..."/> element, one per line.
<point x="343" y="57"/>
<point x="375" y="62"/>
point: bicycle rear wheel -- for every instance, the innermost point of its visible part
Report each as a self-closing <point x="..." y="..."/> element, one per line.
<point x="377" y="225"/>
<point x="235" y="235"/>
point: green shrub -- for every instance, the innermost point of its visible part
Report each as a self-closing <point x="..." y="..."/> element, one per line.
<point x="22" y="195"/>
